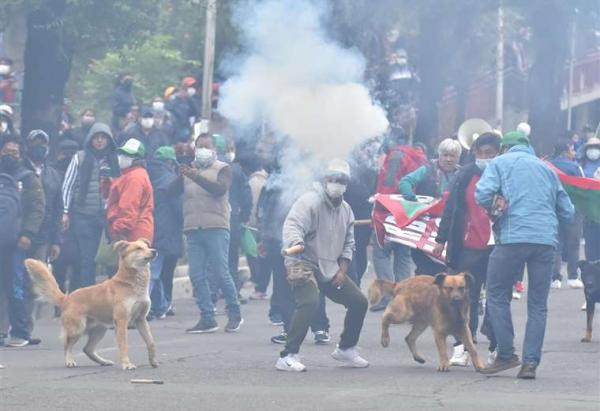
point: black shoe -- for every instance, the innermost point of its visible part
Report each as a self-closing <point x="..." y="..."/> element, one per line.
<point x="381" y="305"/>
<point x="150" y="317"/>
<point x="234" y="324"/>
<point x="35" y="341"/>
<point x="322" y="338"/>
<point x="527" y="371"/>
<point x="501" y="364"/>
<point x="279" y="339"/>
<point x="170" y="311"/>
<point x="203" y="327"/>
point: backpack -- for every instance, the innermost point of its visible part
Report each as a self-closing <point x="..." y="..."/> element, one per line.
<point x="400" y="161"/>
<point x="10" y="210"/>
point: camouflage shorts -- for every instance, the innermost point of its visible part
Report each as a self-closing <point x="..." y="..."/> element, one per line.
<point x="299" y="273"/>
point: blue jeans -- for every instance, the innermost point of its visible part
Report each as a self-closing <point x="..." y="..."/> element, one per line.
<point x="88" y="230"/>
<point x="392" y="262"/>
<point x="159" y="303"/>
<point x="504" y="269"/>
<point x="16" y="285"/>
<point x="211" y="246"/>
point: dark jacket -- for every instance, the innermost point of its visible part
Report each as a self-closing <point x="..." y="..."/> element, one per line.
<point x="50" y="231"/>
<point x="153" y="140"/>
<point x="271" y="211"/>
<point x="360" y="188"/>
<point x="452" y="225"/>
<point x="182" y="108"/>
<point x="240" y="196"/>
<point x="121" y="100"/>
<point x="77" y="134"/>
<point x="168" y="208"/>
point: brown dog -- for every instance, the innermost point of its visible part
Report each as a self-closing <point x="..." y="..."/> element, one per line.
<point x="441" y="302"/>
<point x="121" y="300"/>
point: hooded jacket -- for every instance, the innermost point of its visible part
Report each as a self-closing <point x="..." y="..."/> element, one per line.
<point x="536" y="198"/>
<point x="130" y="206"/>
<point x="325" y="230"/>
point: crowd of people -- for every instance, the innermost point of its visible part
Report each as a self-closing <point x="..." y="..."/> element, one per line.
<point x="204" y="197"/>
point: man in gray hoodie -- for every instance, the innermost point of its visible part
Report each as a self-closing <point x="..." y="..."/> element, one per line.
<point x="320" y="224"/>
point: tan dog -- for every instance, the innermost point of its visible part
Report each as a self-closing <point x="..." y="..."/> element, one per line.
<point x="441" y="302"/>
<point x="120" y="300"/>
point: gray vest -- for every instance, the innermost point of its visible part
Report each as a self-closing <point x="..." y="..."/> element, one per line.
<point x="93" y="203"/>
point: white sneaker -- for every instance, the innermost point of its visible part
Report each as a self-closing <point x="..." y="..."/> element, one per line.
<point x="575" y="283"/>
<point x="290" y="362"/>
<point x="492" y="355"/>
<point x="516" y="295"/>
<point x="460" y="357"/>
<point x="584" y="306"/>
<point x="350" y="356"/>
<point x="556" y="284"/>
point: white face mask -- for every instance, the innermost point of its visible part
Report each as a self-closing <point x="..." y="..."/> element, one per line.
<point x="3" y="127"/>
<point x="191" y="91"/>
<point x="335" y="190"/>
<point x="147" y="122"/>
<point x="4" y="70"/>
<point x="593" y="154"/>
<point x="482" y="162"/>
<point x="205" y="156"/>
<point x="124" y="161"/>
<point x="158" y="106"/>
<point x="230" y="156"/>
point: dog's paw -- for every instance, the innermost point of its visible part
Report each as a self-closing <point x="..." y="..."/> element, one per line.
<point x="586" y="340"/>
<point x="444" y="367"/>
<point x="128" y="366"/>
<point x="70" y="364"/>
<point x="385" y="341"/>
<point x="418" y="359"/>
<point x="154" y="363"/>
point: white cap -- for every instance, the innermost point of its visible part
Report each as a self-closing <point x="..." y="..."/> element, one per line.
<point x="524" y="128"/>
<point x="6" y="110"/>
<point x="338" y="166"/>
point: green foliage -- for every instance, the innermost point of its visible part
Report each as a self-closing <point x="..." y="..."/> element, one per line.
<point x="155" y="64"/>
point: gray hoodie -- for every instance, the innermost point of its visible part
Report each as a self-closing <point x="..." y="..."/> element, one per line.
<point x="325" y="230"/>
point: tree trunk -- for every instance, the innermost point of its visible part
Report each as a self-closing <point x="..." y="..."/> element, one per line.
<point x="47" y="67"/>
<point x="550" y="22"/>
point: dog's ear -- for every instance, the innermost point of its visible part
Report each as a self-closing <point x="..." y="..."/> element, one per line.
<point x="469" y="280"/>
<point x="120" y="246"/>
<point x="146" y="241"/>
<point x="439" y="279"/>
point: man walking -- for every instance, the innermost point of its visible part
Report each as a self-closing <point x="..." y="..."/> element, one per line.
<point x="531" y="200"/>
<point x="321" y="224"/>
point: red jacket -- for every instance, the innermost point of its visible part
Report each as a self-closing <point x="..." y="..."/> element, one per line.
<point x="130" y="205"/>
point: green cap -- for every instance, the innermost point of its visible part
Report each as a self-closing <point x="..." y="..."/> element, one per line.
<point x="132" y="148"/>
<point x="515" y="137"/>
<point x="165" y="153"/>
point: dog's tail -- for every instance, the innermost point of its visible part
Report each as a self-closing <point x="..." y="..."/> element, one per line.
<point x="380" y="288"/>
<point x="44" y="284"/>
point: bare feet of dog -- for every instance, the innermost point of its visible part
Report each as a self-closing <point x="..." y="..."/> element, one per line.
<point x="154" y="363"/>
<point x="70" y="363"/>
<point x="385" y="341"/>
<point x="128" y="366"/>
<point x="586" y="340"/>
<point x="445" y="366"/>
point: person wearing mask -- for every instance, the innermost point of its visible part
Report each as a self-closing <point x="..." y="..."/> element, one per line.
<point x="8" y="81"/>
<point x="168" y="228"/>
<point x="184" y="109"/>
<point x="433" y="180"/>
<point x="146" y="132"/>
<point x="68" y="259"/>
<point x="465" y="231"/>
<point x="130" y="202"/>
<point x="207" y="214"/>
<point x="80" y="133"/>
<point x="85" y="190"/>
<point x="20" y="227"/>
<point x="122" y="100"/>
<point x="321" y="222"/>
<point x="591" y="169"/>
<point x="569" y="235"/>
<point x="7" y="128"/>
<point x="519" y="187"/>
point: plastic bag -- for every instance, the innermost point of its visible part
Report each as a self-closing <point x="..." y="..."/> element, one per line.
<point x="248" y="243"/>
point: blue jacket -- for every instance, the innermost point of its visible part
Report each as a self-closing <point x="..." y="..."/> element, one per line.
<point x="536" y="198"/>
<point x="590" y="167"/>
<point x="567" y="166"/>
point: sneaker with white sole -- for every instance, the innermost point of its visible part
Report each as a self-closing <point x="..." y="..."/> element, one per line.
<point x="350" y="357"/>
<point x="556" y="284"/>
<point x="584" y="306"/>
<point x="516" y="295"/>
<point x="17" y="342"/>
<point x="322" y="338"/>
<point x="460" y="357"/>
<point x="492" y="355"/>
<point x="574" y="283"/>
<point x="290" y="362"/>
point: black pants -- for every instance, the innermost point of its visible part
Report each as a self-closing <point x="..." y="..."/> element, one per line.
<point x="166" y="276"/>
<point x="425" y="265"/>
<point x="259" y="273"/>
<point x="306" y="297"/>
<point x="362" y="236"/>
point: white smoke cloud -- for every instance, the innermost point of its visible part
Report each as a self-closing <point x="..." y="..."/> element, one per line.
<point x="299" y="81"/>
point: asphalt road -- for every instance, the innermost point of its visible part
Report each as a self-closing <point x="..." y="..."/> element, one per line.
<point x="236" y="371"/>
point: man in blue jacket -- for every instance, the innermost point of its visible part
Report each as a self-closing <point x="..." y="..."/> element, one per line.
<point x="527" y="199"/>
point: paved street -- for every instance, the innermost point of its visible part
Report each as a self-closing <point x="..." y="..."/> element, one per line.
<point x="236" y="372"/>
